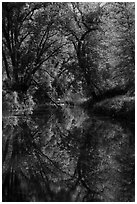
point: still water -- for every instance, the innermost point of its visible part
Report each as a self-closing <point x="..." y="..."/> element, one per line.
<point x="67" y="155"/>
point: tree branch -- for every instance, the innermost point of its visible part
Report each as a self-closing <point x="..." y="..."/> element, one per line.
<point x="60" y="73"/>
<point x="88" y="31"/>
<point x="47" y="73"/>
<point x="46" y="48"/>
<point x="23" y="38"/>
<point x="6" y="64"/>
<point x="47" y="94"/>
<point x="44" y="60"/>
<point x="45" y="34"/>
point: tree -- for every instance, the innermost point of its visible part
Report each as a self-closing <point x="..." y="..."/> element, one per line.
<point x="117" y="44"/>
<point x="81" y="25"/>
<point x="30" y="39"/>
<point x="67" y="45"/>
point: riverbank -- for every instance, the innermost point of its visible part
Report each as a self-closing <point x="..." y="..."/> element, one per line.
<point x="117" y="107"/>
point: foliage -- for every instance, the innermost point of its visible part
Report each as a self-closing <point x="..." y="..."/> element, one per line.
<point x="118" y="63"/>
<point x="68" y="55"/>
<point x="69" y="46"/>
<point x="117" y="107"/>
<point x="29" y="40"/>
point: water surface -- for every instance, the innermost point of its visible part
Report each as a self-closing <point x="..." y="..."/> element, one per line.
<point x="67" y="155"/>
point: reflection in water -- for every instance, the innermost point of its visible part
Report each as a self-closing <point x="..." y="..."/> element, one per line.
<point x="67" y="156"/>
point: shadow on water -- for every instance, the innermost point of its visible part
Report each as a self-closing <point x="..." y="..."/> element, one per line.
<point x="66" y="155"/>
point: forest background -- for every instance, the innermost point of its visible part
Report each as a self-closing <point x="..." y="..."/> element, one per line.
<point x="79" y="52"/>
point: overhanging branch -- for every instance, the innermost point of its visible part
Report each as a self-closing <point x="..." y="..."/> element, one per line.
<point x="44" y="60"/>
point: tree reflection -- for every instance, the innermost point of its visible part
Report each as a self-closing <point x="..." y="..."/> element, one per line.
<point x="45" y="159"/>
<point x="103" y="163"/>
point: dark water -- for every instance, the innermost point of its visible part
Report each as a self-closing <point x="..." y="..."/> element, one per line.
<point x="67" y="155"/>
